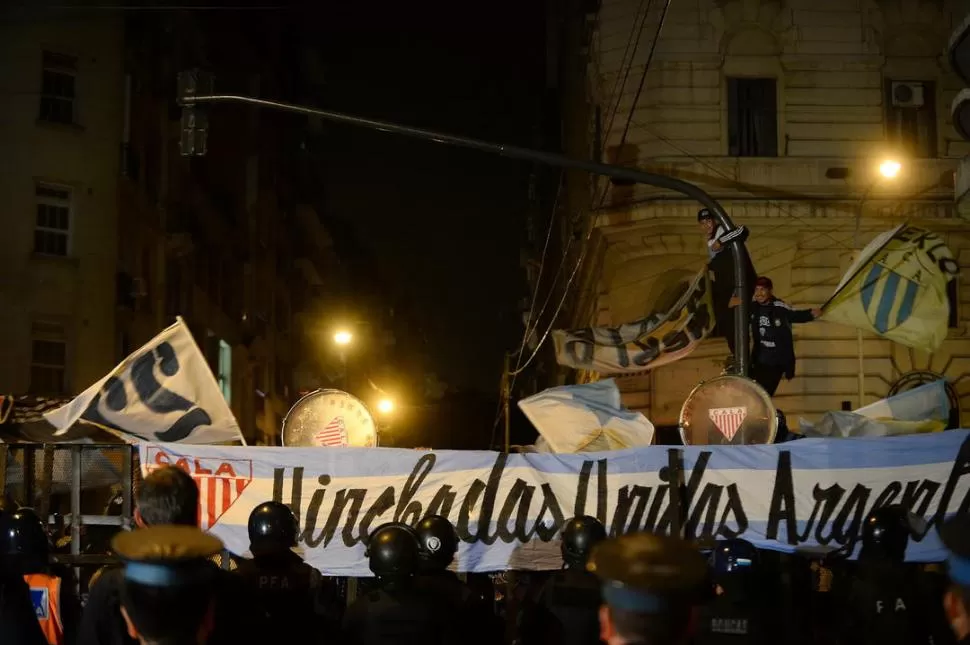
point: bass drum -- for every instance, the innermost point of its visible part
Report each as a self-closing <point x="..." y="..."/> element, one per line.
<point x="728" y="411"/>
<point x="329" y="419"/>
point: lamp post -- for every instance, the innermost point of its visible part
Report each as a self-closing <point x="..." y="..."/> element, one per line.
<point x="888" y="170"/>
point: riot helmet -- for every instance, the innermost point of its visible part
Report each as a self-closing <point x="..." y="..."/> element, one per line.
<point x="23" y="537"/>
<point x="392" y="550"/>
<point x="733" y="557"/>
<point x="885" y="534"/>
<point x="272" y="527"/>
<point x="579" y="536"/>
<point x="438" y="540"/>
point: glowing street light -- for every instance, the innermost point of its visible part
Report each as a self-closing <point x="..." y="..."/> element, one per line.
<point x="385" y="406"/>
<point x="890" y="168"/>
<point x="343" y="338"/>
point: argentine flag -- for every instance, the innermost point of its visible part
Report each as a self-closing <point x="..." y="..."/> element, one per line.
<point x="586" y="418"/>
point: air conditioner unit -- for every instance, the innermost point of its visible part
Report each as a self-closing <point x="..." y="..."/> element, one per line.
<point x="907" y="95"/>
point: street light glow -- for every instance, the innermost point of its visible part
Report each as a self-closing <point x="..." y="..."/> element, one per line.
<point x="343" y="337"/>
<point x="385" y="406"/>
<point x="890" y="168"/>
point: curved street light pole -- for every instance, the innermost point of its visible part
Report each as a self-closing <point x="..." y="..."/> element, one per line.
<point x="189" y="97"/>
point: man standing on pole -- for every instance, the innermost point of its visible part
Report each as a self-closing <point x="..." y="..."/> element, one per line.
<point x="725" y="293"/>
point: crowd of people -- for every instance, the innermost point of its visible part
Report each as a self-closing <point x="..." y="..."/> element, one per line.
<point x="636" y="588"/>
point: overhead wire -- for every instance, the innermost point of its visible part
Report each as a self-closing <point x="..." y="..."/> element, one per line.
<point x="590" y="228"/>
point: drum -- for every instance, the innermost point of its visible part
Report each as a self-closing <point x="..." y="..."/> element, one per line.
<point x="728" y="410"/>
<point x="329" y="419"/>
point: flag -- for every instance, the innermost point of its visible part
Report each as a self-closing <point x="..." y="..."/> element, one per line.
<point x="586" y="418"/>
<point x="165" y="391"/>
<point x="896" y="288"/>
<point x="661" y="338"/>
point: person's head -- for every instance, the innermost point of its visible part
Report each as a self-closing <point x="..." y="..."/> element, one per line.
<point x="439" y="542"/>
<point x="763" y="290"/>
<point x="168" y="495"/>
<point x="272" y="529"/>
<point x="706" y="221"/>
<point x="885" y="534"/>
<point x="650" y="584"/>
<point x="393" y="552"/>
<point x="956" y="602"/>
<point x="167" y="592"/>
<point x="24" y="544"/>
<point x="579" y="536"/>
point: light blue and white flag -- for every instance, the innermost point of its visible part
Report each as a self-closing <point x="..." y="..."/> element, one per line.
<point x="923" y="409"/>
<point x="164" y="391"/>
<point x="508" y="509"/>
<point x="586" y="418"/>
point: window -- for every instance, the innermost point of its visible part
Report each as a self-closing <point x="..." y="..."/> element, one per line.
<point x="911" y="117"/>
<point x="57" y="88"/>
<point x="225" y="370"/>
<point x="53" y="227"/>
<point x="48" y="359"/>
<point x="752" y="117"/>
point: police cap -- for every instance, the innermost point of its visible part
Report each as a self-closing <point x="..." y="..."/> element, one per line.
<point x="22" y="534"/>
<point x="438" y="539"/>
<point x="392" y="550"/>
<point x="955" y="534"/>
<point x="646" y="573"/>
<point x="166" y="555"/>
<point x="704" y="214"/>
<point x="579" y="536"/>
<point x="272" y="525"/>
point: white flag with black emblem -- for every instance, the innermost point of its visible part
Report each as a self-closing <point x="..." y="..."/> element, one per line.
<point x="164" y="391"/>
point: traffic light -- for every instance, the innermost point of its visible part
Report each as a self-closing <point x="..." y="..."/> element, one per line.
<point x="195" y="118"/>
<point x="959" y="54"/>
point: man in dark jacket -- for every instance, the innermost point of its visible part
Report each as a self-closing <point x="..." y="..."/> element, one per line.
<point x="168" y="496"/>
<point x="725" y="294"/>
<point x="774" y="347"/>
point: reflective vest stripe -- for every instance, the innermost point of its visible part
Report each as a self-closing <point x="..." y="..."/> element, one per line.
<point x="45" y="592"/>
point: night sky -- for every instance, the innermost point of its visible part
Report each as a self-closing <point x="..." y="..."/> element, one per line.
<point x="442" y="225"/>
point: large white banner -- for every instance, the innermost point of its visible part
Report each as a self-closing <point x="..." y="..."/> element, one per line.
<point x="164" y="391"/>
<point x="508" y="509"/>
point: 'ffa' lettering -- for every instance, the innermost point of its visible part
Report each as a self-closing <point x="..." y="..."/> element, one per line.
<point x="274" y="582"/>
<point x="898" y="606"/>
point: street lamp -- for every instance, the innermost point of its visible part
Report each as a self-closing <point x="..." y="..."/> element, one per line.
<point x="385" y="406"/>
<point x="343" y="338"/>
<point x="890" y="168"/>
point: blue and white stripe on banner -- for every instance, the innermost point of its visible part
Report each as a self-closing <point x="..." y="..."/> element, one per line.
<point x="508" y="508"/>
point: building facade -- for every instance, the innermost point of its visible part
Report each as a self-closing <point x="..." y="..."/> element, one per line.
<point x="223" y="240"/>
<point x="112" y="233"/>
<point x="783" y="111"/>
<point x="60" y="132"/>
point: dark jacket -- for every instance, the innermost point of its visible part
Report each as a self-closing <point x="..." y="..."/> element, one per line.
<point x="18" y="622"/>
<point x="237" y="618"/>
<point x="771" y="326"/>
<point x="565" y="610"/>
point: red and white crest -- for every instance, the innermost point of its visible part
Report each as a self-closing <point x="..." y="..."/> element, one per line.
<point x="728" y="420"/>
<point x="221" y="482"/>
<point x="333" y="435"/>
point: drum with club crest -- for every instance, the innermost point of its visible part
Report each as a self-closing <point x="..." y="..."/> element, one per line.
<point x="728" y="410"/>
<point x="329" y="419"/>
